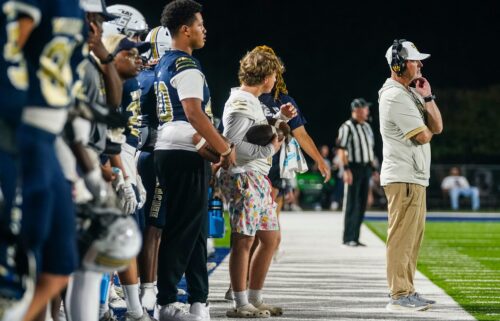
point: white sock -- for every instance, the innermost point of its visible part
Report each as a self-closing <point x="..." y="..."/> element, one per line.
<point x="240" y="298"/>
<point x="254" y="296"/>
<point x="148" y="295"/>
<point x="84" y="286"/>
<point x="131" y="293"/>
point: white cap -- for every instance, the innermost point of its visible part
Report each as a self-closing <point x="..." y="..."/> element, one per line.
<point x="408" y="52"/>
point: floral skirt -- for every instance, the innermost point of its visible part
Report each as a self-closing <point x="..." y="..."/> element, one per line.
<point x="251" y="206"/>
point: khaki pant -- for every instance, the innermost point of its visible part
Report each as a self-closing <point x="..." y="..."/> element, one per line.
<point x="407" y="209"/>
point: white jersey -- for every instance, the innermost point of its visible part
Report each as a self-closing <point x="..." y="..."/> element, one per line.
<point x="242" y="111"/>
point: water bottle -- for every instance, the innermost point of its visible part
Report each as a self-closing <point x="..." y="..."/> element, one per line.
<point x="215" y="216"/>
<point x="104" y="288"/>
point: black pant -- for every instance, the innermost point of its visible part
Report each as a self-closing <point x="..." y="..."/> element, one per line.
<point x="183" y="176"/>
<point x="357" y="196"/>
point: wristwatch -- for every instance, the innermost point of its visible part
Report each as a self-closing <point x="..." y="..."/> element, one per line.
<point x="429" y="98"/>
<point x="109" y="58"/>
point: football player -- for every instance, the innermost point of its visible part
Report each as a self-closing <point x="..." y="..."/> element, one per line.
<point x="131" y="23"/>
<point x="184" y="108"/>
<point x="97" y="82"/>
<point x="48" y="222"/>
<point x="154" y="209"/>
<point x="126" y="57"/>
<point x="17" y="19"/>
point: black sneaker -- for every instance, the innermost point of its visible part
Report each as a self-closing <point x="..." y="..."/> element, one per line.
<point x="360" y="244"/>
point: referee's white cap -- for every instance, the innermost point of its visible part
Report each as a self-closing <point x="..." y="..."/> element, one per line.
<point x="408" y="52"/>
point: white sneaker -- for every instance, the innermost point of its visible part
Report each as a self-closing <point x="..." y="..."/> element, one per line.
<point x="145" y="317"/>
<point x="115" y="301"/>
<point x="118" y="290"/>
<point x="148" y="298"/>
<point x="176" y="312"/>
<point x="200" y="309"/>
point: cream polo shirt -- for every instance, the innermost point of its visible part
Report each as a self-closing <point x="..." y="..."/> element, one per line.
<point x="402" y="117"/>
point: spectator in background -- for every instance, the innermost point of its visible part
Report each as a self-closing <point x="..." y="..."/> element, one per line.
<point x="328" y="187"/>
<point x="376" y="195"/>
<point x="457" y="185"/>
<point x="325" y="153"/>
<point x="292" y="195"/>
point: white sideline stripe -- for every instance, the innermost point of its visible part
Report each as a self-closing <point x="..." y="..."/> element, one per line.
<point x="318" y="279"/>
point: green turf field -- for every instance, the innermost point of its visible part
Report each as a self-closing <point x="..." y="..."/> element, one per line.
<point x="462" y="258"/>
<point x="224" y="242"/>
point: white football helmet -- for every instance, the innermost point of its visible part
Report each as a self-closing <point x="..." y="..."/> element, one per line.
<point x="130" y="22"/>
<point x="161" y="42"/>
<point x="108" y="240"/>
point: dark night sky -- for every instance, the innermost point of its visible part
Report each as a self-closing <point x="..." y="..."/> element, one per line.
<point x="334" y="52"/>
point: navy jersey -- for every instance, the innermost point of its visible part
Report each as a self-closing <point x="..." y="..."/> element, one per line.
<point x="273" y="106"/>
<point x="13" y="70"/>
<point x="131" y="108"/>
<point x="148" y="98"/>
<point x="169" y="107"/>
<point x="49" y="50"/>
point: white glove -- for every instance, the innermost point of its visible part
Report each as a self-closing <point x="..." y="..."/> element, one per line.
<point x="119" y="181"/>
<point x="126" y="194"/>
<point x="142" y="192"/>
<point x="96" y="185"/>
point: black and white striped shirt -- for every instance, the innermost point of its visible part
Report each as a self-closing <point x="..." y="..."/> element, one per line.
<point x="358" y="140"/>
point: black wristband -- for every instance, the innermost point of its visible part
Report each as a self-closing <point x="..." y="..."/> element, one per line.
<point x="346" y="167"/>
<point x="109" y="58"/>
<point x="429" y="98"/>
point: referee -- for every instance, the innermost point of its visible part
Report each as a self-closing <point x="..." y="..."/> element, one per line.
<point x="355" y="144"/>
